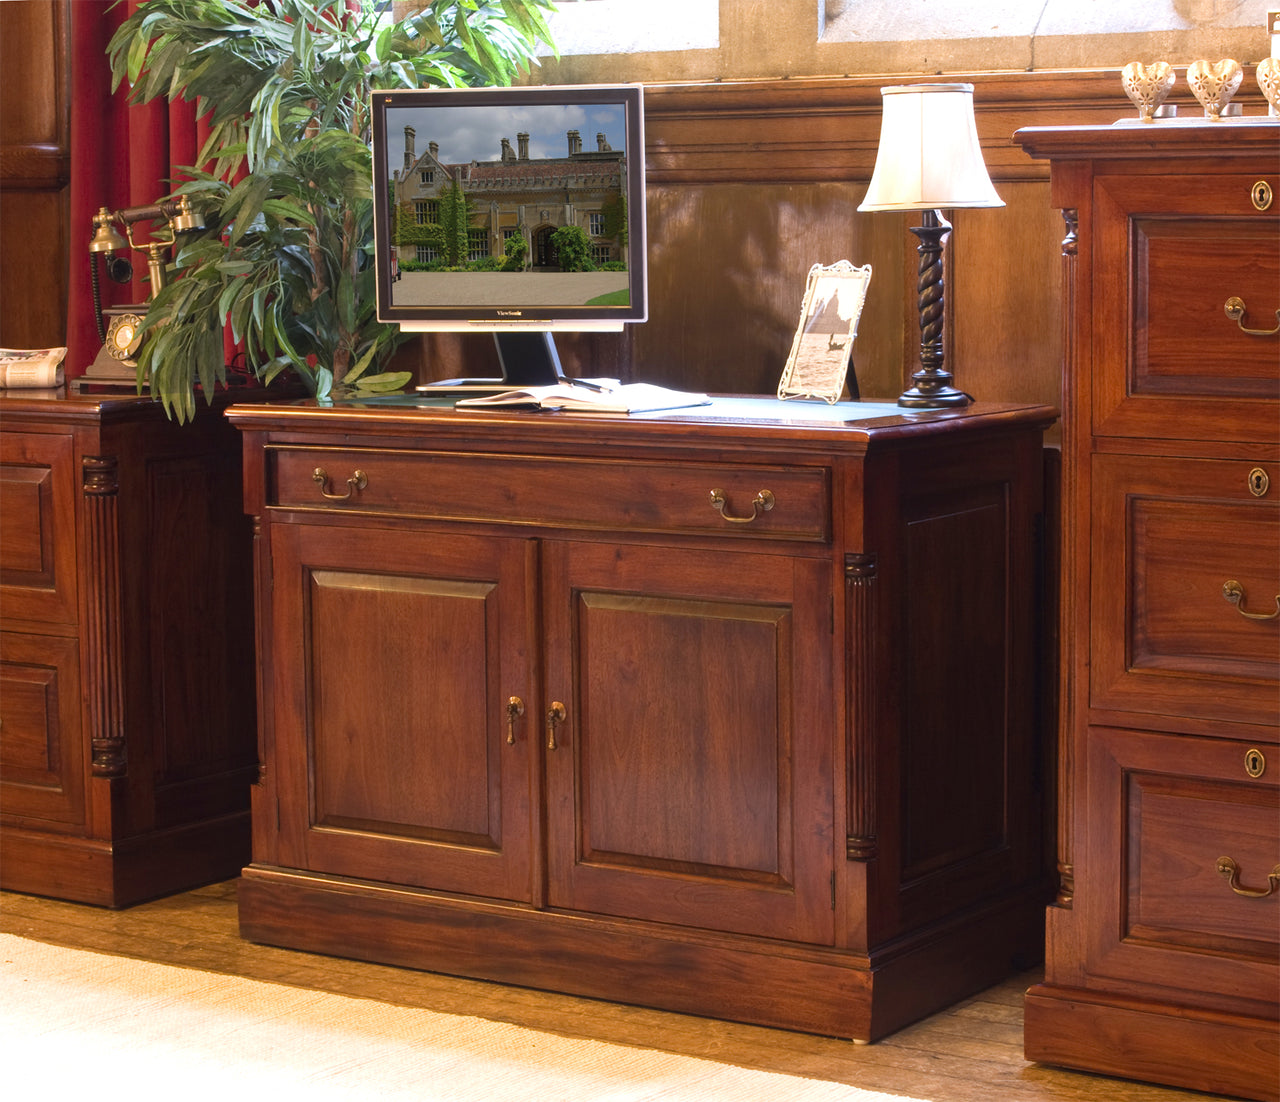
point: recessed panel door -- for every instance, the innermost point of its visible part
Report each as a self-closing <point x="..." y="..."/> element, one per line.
<point x="689" y="735"/>
<point x="401" y="759"/>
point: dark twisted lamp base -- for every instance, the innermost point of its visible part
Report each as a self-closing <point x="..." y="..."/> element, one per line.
<point x="932" y="387"/>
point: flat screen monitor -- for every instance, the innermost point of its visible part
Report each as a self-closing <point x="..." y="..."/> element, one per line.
<point x="510" y="209"/>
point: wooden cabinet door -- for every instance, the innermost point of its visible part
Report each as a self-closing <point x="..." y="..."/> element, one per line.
<point x="396" y="653"/>
<point x="691" y="777"/>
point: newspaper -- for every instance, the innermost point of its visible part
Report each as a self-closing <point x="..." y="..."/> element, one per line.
<point x="31" y="367"/>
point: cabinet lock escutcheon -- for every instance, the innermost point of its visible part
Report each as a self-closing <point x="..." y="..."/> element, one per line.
<point x="1259" y="482"/>
<point x="1261" y="194"/>
<point x="1255" y="762"/>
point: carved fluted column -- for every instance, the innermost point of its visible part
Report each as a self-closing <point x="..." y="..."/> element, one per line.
<point x="103" y="680"/>
<point x="860" y="576"/>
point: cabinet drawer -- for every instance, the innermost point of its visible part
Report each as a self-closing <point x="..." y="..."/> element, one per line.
<point x="1185" y="584"/>
<point x="38" y="536"/>
<point x="775" y="502"/>
<point x="1172" y="252"/>
<point x="1187" y="841"/>
<point x="41" y="750"/>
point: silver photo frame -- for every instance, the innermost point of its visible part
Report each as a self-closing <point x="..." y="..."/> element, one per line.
<point x="823" y="346"/>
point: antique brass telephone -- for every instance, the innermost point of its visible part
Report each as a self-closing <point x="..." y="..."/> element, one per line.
<point x="114" y="365"/>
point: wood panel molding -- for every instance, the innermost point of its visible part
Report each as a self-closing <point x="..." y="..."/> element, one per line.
<point x="828" y="128"/>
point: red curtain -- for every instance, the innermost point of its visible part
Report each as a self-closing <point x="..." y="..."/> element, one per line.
<point x="122" y="155"/>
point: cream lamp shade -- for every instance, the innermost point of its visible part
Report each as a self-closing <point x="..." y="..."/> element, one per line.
<point x="929" y="156"/>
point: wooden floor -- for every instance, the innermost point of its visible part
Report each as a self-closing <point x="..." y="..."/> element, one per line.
<point x="970" y="1053"/>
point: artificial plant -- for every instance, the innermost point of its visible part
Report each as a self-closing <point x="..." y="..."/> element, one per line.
<point x="284" y="180"/>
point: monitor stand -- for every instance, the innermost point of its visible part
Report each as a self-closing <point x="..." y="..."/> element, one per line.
<point x="527" y="359"/>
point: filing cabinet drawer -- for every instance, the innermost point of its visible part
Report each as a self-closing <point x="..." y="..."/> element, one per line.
<point x="1189" y="841"/>
<point x="771" y="502"/>
<point x="1185" y="585"/>
<point x="1173" y="254"/>
<point x="37" y="537"/>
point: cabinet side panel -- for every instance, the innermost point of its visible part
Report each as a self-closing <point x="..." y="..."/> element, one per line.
<point x="954" y="734"/>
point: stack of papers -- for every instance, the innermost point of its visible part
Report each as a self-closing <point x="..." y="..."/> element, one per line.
<point x="588" y="396"/>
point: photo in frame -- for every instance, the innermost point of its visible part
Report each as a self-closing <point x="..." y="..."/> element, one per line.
<point x="822" y="350"/>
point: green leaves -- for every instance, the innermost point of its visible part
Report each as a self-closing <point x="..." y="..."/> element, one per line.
<point x="284" y="179"/>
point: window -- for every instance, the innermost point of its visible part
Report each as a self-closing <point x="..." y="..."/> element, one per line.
<point x="601" y="255"/>
<point x="508" y="234"/>
<point x="477" y="244"/>
<point x="427" y="255"/>
<point x="426" y="212"/>
<point x="428" y="176"/>
<point x="626" y="27"/>
<point x="597" y="225"/>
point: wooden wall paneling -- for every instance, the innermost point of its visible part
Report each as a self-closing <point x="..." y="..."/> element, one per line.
<point x="1004" y="295"/>
<point x="35" y="133"/>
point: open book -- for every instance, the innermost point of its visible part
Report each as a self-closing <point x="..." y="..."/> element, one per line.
<point x="604" y="396"/>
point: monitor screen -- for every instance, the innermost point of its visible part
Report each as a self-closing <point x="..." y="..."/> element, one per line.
<point x="510" y="208"/>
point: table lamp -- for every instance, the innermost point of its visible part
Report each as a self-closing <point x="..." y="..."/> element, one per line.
<point x="930" y="160"/>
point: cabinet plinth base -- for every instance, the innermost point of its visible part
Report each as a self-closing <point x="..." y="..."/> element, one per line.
<point x="127" y="871"/>
<point x="762" y="982"/>
<point x="1201" y="1050"/>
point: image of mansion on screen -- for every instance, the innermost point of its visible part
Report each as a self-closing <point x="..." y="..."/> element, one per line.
<point x="519" y="195"/>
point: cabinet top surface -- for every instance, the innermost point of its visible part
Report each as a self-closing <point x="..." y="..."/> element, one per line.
<point x="763" y="420"/>
<point x="1250" y="135"/>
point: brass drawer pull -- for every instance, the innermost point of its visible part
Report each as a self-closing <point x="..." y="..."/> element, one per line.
<point x="555" y="716"/>
<point x="515" y="709"/>
<point x="761" y="503"/>
<point x="357" y="481"/>
<point x="1233" y="593"/>
<point x="1231" y="871"/>
<point x="1235" y="309"/>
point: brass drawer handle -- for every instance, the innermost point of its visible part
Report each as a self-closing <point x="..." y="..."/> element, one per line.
<point x="1233" y="593"/>
<point x="1235" y="309"/>
<point x="357" y="481"/>
<point x="515" y="709"/>
<point x="555" y="716"/>
<point x="1231" y="871"/>
<point x="761" y="503"/>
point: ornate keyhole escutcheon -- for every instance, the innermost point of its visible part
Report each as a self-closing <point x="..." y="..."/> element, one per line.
<point x="1255" y="762"/>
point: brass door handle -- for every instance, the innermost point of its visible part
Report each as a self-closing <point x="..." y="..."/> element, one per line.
<point x="515" y="709"/>
<point x="1228" y="868"/>
<point x="761" y="503"/>
<point x="556" y="715"/>
<point x="357" y="481"/>
<point x="1235" y="309"/>
<point x="1233" y="593"/>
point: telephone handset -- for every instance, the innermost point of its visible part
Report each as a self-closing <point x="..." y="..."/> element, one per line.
<point x="114" y="366"/>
